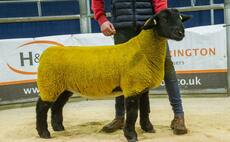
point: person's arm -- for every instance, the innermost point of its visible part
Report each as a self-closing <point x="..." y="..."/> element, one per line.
<point x="160" y="5"/>
<point x="106" y="26"/>
<point x="99" y="11"/>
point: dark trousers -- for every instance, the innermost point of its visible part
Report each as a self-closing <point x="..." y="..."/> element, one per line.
<point x="171" y="83"/>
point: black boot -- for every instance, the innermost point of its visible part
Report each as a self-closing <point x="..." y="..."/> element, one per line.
<point x="116" y="124"/>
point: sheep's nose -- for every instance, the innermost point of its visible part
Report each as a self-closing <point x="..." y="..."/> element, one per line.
<point x="180" y="33"/>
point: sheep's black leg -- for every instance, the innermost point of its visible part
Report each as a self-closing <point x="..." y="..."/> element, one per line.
<point x="42" y="108"/>
<point x="131" y="104"/>
<point x="56" y="111"/>
<point x="144" y="107"/>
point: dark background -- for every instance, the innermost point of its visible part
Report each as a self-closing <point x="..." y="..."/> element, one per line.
<point x="38" y="29"/>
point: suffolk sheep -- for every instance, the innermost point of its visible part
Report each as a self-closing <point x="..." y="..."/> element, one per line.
<point x="131" y="68"/>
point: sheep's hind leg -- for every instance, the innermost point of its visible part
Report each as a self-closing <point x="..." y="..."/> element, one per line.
<point x="131" y="104"/>
<point x="56" y="111"/>
<point x="42" y="108"/>
<point x="144" y="107"/>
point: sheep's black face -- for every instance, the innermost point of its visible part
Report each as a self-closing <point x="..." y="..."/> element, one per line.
<point x="168" y="23"/>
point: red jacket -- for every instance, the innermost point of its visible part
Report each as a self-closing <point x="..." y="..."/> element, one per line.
<point x="99" y="9"/>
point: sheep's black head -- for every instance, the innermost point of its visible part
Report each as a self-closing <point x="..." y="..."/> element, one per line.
<point x="168" y="23"/>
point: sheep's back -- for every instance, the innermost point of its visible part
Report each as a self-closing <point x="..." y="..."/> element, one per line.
<point x="91" y="71"/>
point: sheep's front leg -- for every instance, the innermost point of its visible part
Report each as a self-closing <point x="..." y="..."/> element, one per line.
<point x="131" y="104"/>
<point x="42" y="108"/>
<point x="144" y="107"/>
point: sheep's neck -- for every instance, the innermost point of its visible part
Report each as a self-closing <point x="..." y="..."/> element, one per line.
<point x="151" y="44"/>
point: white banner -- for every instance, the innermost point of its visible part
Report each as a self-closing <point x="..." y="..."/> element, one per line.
<point x="19" y="58"/>
<point x="203" y="49"/>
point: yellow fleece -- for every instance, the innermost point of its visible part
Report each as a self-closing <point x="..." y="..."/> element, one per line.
<point x="95" y="71"/>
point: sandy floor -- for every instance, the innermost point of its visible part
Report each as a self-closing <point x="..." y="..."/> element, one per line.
<point x="208" y="120"/>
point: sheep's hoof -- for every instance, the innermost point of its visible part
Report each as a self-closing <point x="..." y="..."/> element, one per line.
<point x="58" y="127"/>
<point x="45" y="134"/>
<point x="132" y="140"/>
<point x="130" y="135"/>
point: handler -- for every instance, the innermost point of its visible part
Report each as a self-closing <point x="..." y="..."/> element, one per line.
<point x="127" y="19"/>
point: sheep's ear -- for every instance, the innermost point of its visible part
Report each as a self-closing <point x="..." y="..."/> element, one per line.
<point x="185" y="17"/>
<point x="150" y="23"/>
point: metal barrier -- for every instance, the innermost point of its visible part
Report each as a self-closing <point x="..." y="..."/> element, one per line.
<point x="85" y="20"/>
<point x="39" y="18"/>
<point x="85" y="13"/>
<point x="227" y="22"/>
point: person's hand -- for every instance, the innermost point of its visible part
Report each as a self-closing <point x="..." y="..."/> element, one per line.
<point x="108" y="29"/>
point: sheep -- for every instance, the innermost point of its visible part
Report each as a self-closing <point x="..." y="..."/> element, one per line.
<point x="131" y="68"/>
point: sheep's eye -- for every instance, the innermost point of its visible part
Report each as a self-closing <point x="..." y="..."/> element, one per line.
<point x="164" y="20"/>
